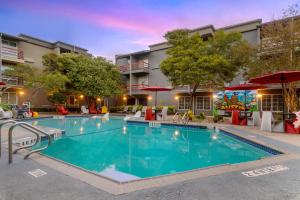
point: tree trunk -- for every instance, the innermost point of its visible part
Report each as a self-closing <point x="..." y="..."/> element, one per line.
<point x="192" y="95"/>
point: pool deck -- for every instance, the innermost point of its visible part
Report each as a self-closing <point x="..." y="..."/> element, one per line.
<point x="16" y="183"/>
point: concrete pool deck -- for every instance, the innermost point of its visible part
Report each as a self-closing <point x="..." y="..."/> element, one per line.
<point x="16" y="183"/>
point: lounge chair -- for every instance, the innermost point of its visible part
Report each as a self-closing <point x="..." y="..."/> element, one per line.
<point x="92" y="109"/>
<point x="269" y="124"/>
<point x="62" y="110"/>
<point x="106" y="116"/>
<point x="255" y="119"/>
<point x="84" y="110"/>
<point x="164" y="113"/>
<point x="134" y="109"/>
<point x="5" y="114"/>
<point x="104" y="110"/>
<point x="137" y="115"/>
<point x="125" y="109"/>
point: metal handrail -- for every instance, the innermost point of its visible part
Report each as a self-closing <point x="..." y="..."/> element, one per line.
<point x="2" y="124"/>
<point x="32" y="129"/>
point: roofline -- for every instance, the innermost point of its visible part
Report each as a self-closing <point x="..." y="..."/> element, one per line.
<point x="132" y="53"/>
<point x="11" y="36"/>
<point x="51" y="43"/>
<point x="202" y="27"/>
<point x="240" y="24"/>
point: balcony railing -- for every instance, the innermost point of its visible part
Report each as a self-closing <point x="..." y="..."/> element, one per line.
<point x="136" y="67"/>
<point x="12" y="54"/>
<point x="13" y="81"/>
<point x="136" y="87"/>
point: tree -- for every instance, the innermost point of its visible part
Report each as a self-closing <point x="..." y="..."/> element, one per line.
<point x="279" y="50"/>
<point x="93" y="77"/>
<point x="204" y="64"/>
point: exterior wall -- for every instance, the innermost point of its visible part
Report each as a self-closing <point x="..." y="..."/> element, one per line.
<point x="33" y="53"/>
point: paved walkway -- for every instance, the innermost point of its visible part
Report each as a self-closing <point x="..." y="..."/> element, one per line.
<point x="17" y="184"/>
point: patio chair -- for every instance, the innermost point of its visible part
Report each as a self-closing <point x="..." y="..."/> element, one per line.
<point x="84" y="110"/>
<point x="164" y="113"/>
<point x="255" y="119"/>
<point x="62" y="110"/>
<point x="269" y="124"/>
<point x="104" y="110"/>
<point x="125" y="109"/>
<point x="5" y="114"/>
<point x="105" y="116"/>
<point x="137" y="115"/>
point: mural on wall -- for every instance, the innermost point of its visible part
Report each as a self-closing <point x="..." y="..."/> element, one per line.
<point x="235" y="100"/>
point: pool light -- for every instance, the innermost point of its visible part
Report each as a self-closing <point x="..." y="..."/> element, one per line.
<point x="124" y="130"/>
<point x="81" y="129"/>
<point x="214" y="137"/>
<point x="98" y="124"/>
<point x="176" y="133"/>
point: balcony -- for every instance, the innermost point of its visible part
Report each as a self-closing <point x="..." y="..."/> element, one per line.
<point x="136" y="88"/>
<point x="12" y="54"/>
<point x="138" y="68"/>
<point x="13" y="81"/>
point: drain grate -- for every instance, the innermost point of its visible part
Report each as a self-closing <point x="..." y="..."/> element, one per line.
<point x="36" y="173"/>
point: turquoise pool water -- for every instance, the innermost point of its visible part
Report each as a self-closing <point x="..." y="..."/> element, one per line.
<point x="131" y="151"/>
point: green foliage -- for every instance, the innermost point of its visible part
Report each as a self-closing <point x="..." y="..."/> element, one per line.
<point x="206" y="64"/>
<point x="57" y="98"/>
<point x="201" y="116"/>
<point x="5" y="107"/>
<point x="92" y="77"/>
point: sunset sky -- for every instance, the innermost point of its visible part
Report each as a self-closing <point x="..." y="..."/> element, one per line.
<point x="109" y="27"/>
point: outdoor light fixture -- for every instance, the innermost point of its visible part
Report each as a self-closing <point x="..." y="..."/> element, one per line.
<point x="124" y="98"/>
<point x="259" y="95"/>
<point x="176" y="97"/>
<point x="81" y="96"/>
<point x="149" y="98"/>
<point x="21" y="93"/>
<point x="98" y="99"/>
<point x="215" y="96"/>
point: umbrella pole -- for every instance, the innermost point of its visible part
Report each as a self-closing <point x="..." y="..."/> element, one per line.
<point x="155" y="102"/>
<point x="283" y="100"/>
<point x="245" y="101"/>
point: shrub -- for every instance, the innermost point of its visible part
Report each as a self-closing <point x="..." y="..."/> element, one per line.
<point x="5" y="107"/>
<point x="201" y="116"/>
<point x="57" y="98"/>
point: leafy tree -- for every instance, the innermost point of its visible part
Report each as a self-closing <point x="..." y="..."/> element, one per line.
<point x="279" y="50"/>
<point x="204" y="64"/>
<point x="57" y="98"/>
<point x="92" y="77"/>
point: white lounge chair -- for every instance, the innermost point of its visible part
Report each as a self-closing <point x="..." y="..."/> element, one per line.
<point x="255" y="119"/>
<point x="137" y="115"/>
<point x="125" y="109"/>
<point x="268" y="123"/>
<point x="105" y="116"/>
<point x="163" y="114"/>
<point x="5" y="114"/>
<point x="144" y="110"/>
<point x="84" y="110"/>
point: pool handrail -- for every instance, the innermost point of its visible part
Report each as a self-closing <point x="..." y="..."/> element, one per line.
<point x="2" y="124"/>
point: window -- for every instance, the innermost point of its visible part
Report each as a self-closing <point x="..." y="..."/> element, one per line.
<point x="184" y="103"/>
<point x="73" y="101"/>
<point x="203" y="103"/>
<point x="9" y="43"/>
<point x="272" y="102"/>
<point x="9" y="98"/>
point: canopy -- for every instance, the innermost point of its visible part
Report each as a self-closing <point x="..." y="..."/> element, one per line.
<point x="2" y="83"/>
<point x="246" y="87"/>
<point x="156" y="89"/>
<point x="278" y="77"/>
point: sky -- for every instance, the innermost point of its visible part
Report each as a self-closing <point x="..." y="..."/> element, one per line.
<point x="110" y="27"/>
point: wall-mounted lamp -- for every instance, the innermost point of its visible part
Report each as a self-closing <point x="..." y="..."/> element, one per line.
<point x="149" y="98"/>
<point x="176" y="97"/>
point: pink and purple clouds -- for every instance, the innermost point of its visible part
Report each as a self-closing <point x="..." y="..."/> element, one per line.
<point x="119" y="26"/>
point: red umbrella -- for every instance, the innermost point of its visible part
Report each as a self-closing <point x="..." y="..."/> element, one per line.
<point x="246" y="87"/>
<point x="156" y="89"/>
<point x="278" y="77"/>
<point x="2" y="83"/>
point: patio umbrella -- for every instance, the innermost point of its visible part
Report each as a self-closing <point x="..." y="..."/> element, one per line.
<point x="246" y="87"/>
<point x="156" y="89"/>
<point x="278" y="77"/>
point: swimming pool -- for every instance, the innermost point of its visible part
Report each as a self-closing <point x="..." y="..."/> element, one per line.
<point x="129" y="151"/>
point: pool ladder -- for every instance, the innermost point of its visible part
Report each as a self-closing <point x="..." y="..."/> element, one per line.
<point x="32" y="129"/>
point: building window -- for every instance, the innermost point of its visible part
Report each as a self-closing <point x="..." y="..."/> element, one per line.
<point x="9" y="43"/>
<point x="203" y="103"/>
<point x="73" y="101"/>
<point x="272" y="102"/>
<point x="9" y="98"/>
<point x="184" y="103"/>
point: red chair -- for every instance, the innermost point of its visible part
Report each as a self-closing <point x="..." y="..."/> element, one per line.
<point x="92" y="109"/>
<point x="235" y="117"/>
<point x="289" y="127"/>
<point x="149" y="115"/>
<point x="62" y="110"/>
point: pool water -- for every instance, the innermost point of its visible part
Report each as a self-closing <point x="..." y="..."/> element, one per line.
<point x="126" y="152"/>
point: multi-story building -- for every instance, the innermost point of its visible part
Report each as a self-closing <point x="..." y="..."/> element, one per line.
<point x="24" y="49"/>
<point x="140" y="69"/>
